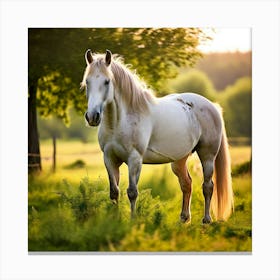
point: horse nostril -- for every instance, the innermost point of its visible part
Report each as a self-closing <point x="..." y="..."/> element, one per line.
<point x="97" y="116"/>
<point x="93" y="120"/>
<point x="86" y="116"/>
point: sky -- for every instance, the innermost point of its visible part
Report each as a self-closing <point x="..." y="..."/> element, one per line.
<point x="227" y="39"/>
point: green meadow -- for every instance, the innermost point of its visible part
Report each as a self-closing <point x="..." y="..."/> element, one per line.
<point x="70" y="210"/>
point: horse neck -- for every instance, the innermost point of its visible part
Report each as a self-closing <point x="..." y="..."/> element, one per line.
<point x="112" y="113"/>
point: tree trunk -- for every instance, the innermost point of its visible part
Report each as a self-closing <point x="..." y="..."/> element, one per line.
<point x="34" y="157"/>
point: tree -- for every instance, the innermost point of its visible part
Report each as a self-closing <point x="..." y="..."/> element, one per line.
<point x="47" y="67"/>
<point x="56" y="63"/>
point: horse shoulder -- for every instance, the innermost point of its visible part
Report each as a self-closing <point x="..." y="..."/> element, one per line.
<point x="138" y="131"/>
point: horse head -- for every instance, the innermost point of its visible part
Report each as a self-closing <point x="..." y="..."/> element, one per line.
<point x="99" y="86"/>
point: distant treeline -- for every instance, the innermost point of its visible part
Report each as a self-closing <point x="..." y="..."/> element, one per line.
<point x="225" y="68"/>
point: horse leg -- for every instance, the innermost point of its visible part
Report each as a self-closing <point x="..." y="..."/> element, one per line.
<point x="112" y="166"/>
<point x="208" y="169"/>
<point x="134" y="169"/>
<point x="179" y="168"/>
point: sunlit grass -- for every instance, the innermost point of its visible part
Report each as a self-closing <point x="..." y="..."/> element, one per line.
<point x="70" y="210"/>
<point x="70" y="151"/>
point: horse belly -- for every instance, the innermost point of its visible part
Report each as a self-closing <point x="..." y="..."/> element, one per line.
<point x="153" y="156"/>
<point x="174" y="135"/>
<point x="168" y="149"/>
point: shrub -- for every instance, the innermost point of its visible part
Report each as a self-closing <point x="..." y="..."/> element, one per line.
<point x="194" y="81"/>
<point x="237" y="104"/>
<point x="243" y="168"/>
<point x="79" y="163"/>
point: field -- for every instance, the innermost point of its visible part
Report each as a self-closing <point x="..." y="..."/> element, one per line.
<point x="70" y="210"/>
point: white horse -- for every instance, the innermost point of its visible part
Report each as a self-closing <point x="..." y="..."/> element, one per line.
<point x="135" y="127"/>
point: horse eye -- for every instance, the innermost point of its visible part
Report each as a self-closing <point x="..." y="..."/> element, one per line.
<point x="106" y="83"/>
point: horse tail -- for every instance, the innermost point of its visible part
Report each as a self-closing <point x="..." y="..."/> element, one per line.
<point x="222" y="201"/>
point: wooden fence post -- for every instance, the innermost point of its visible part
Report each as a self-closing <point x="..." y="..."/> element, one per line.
<point x="54" y="153"/>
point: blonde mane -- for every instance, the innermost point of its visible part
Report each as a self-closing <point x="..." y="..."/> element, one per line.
<point x="132" y="91"/>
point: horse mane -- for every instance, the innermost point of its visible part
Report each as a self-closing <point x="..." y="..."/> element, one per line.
<point x="132" y="90"/>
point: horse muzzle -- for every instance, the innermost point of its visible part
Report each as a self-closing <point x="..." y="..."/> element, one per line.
<point x="93" y="119"/>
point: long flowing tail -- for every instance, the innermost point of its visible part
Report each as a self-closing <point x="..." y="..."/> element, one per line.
<point x="222" y="200"/>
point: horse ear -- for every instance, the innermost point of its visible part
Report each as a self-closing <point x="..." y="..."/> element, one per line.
<point x="88" y="57"/>
<point x="108" y="57"/>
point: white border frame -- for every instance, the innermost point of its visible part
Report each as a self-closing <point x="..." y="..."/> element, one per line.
<point x="261" y="16"/>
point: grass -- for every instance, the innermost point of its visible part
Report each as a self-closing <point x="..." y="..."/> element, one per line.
<point x="71" y="210"/>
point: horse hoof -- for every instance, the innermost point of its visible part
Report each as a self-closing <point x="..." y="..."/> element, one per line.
<point x="115" y="201"/>
<point x="114" y="196"/>
<point x="206" y="220"/>
<point x="185" y="218"/>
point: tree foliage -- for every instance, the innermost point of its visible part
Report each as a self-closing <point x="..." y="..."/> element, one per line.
<point x="56" y="58"/>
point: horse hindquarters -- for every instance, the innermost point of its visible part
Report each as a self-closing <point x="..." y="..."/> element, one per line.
<point x="217" y="161"/>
